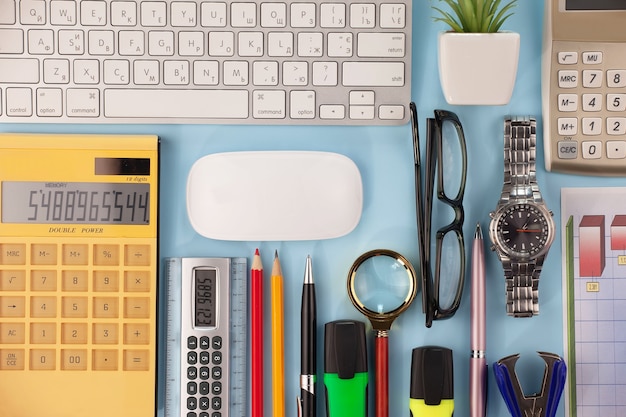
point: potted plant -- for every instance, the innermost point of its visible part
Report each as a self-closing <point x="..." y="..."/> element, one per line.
<point x="477" y="61"/>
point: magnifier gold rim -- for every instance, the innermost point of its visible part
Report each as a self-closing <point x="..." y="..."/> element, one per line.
<point x="382" y="321"/>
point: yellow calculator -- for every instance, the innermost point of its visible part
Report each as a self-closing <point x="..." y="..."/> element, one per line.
<point x="78" y="275"/>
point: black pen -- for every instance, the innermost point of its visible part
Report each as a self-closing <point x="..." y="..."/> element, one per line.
<point x="308" y="340"/>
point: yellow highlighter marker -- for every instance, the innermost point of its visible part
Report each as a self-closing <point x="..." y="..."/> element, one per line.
<point x="432" y="382"/>
<point x="278" y="339"/>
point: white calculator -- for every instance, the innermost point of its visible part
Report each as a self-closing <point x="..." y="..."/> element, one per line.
<point x="584" y="87"/>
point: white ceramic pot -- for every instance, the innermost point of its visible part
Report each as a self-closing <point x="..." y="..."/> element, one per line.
<point x="478" y="68"/>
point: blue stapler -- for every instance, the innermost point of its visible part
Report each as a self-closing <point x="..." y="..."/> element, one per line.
<point x="542" y="404"/>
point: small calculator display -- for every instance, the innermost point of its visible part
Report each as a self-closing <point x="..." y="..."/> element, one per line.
<point x="584" y="87"/>
<point x="78" y="275"/>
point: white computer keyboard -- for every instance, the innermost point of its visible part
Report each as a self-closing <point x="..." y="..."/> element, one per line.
<point x="259" y="62"/>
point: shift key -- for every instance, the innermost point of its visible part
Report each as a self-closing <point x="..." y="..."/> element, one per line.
<point x="19" y="70"/>
<point x="373" y="74"/>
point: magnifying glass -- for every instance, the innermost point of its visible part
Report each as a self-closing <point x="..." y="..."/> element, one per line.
<point x="381" y="285"/>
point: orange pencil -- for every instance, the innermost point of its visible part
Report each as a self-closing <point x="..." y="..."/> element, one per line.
<point x="256" y="301"/>
<point x="278" y="340"/>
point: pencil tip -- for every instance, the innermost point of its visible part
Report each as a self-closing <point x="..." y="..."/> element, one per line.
<point x="276" y="254"/>
<point x="256" y="252"/>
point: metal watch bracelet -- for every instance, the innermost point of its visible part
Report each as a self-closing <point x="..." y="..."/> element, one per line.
<point x="520" y="183"/>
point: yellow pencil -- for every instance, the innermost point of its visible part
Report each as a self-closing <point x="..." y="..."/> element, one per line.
<point x="278" y="339"/>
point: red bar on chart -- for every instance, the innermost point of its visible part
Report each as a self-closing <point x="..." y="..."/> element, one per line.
<point x="592" y="246"/>
<point x="618" y="232"/>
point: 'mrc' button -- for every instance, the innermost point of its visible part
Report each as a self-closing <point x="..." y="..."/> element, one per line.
<point x="12" y="254"/>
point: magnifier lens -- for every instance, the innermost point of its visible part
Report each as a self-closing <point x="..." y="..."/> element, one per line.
<point x="382" y="283"/>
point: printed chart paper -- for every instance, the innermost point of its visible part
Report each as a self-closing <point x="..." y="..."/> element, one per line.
<point x="594" y="299"/>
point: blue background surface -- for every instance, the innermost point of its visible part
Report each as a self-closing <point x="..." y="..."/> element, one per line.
<point x="385" y="159"/>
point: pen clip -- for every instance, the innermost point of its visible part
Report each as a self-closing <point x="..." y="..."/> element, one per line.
<point x="299" y="406"/>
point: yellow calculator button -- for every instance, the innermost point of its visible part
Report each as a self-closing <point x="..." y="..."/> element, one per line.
<point x="43" y="306"/>
<point x="43" y="254"/>
<point x="106" y="255"/>
<point x="11" y="359"/>
<point x="74" y="307"/>
<point x="137" y="281"/>
<point x="136" y="360"/>
<point x="74" y="359"/>
<point x="104" y="360"/>
<point x="105" y="307"/>
<point x="43" y="333"/>
<point x="74" y="333"/>
<point x="12" y="333"/>
<point x="12" y="280"/>
<point x="75" y="281"/>
<point x="137" y="255"/>
<point x="75" y="254"/>
<point x="12" y="254"/>
<point x="105" y="281"/>
<point x="105" y="333"/>
<point x="12" y="306"/>
<point x="137" y="307"/>
<point x="42" y="359"/>
<point x="136" y="334"/>
<point x="43" y="280"/>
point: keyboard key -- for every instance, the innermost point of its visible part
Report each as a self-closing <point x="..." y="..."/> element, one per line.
<point x="11" y="40"/>
<point x="7" y="12"/>
<point x="74" y="307"/>
<point x="105" y="333"/>
<point x="137" y="281"/>
<point x="105" y="281"/>
<point x="381" y="45"/>
<point x="226" y="104"/>
<point x="367" y="74"/>
<point x="74" y="333"/>
<point x="105" y="307"/>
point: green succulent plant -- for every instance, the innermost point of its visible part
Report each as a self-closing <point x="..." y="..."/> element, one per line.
<point x="475" y="16"/>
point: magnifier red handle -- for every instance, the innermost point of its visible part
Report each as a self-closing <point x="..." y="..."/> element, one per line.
<point x="382" y="375"/>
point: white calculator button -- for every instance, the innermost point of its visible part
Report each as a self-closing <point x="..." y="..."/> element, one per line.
<point x="592" y="57"/>
<point x="567" y="126"/>
<point x="592" y="149"/>
<point x="616" y="149"/>
<point x="616" y="125"/>
<point x="568" y="58"/>
<point x="592" y="78"/>
<point x="616" y="102"/>
<point x="568" y="79"/>
<point x="616" y="78"/>
<point x="568" y="102"/>
<point x="592" y="126"/>
<point x="592" y="102"/>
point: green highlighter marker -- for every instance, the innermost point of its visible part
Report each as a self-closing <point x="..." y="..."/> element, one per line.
<point x="345" y="368"/>
<point x="432" y="382"/>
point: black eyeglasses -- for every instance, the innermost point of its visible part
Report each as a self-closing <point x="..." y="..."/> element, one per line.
<point x="446" y="161"/>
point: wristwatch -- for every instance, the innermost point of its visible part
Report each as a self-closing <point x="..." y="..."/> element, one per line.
<point x="521" y="228"/>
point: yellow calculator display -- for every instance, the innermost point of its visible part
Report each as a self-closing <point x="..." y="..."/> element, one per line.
<point x="78" y="275"/>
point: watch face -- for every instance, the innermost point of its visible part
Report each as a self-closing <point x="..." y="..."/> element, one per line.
<point x="524" y="229"/>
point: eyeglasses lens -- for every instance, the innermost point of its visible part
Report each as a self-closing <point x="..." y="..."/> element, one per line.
<point x="451" y="159"/>
<point x="449" y="269"/>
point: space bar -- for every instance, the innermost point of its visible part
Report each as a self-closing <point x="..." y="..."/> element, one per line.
<point x="207" y="104"/>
